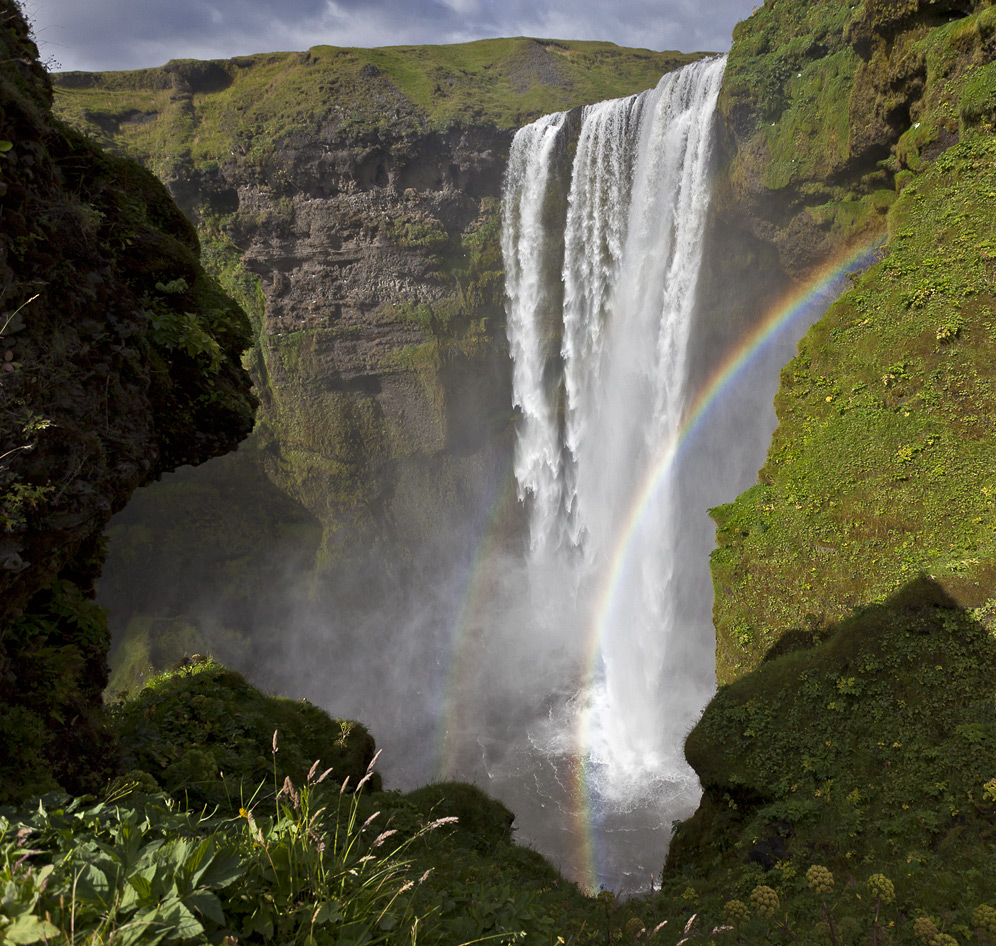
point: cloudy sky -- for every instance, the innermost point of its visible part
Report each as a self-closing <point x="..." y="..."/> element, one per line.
<point x="129" y="34"/>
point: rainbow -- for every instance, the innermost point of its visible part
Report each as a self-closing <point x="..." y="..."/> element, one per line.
<point x="794" y="312"/>
<point x="799" y="308"/>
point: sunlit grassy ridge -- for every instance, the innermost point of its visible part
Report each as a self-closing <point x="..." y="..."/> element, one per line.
<point x="881" y="466"/>
<point x="205" y="112"/>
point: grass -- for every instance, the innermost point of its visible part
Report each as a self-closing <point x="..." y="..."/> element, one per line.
<point x="245" y="106"/>
<point x="880" y="468"/>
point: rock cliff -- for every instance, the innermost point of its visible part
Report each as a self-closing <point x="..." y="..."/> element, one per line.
<point x="350" y="199"/>
<point x="120" y="360"/>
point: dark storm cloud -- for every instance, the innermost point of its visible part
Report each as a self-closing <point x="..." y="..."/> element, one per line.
<point x="125" y="34"/>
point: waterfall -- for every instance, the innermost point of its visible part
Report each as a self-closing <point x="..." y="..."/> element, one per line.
<point x="599" y="349"/>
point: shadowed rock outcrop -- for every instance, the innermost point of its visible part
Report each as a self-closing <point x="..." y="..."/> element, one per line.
<point x="121" y="360"/>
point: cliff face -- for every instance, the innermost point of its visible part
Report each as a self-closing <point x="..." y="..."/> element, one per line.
<point x="380" y="355"/>
<point x="876" y="472"/>
<point x="121" y="360"/>
<point x="350" y="200"/>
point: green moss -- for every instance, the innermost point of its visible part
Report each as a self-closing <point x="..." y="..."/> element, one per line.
<point x="809" y="139"/>
<point x="206" y="735"/>
<point x="772" y="47"/>
<point x="880" y="466"/>
<point x="977" y="100"/>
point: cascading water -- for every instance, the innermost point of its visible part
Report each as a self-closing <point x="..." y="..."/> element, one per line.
<point x="599" y="379"/>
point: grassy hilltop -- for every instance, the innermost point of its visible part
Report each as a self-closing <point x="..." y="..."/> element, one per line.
<point x="245" y="106"/>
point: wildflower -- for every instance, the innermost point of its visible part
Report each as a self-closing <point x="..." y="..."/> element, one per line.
<point x="881" y="888"/>
<point x="274" y="740"/>
<point x="984" y="917"/>
<point x="924" y="930"/>
<point x="943" y="939"/>
<point x="735" y="912"/>
<point x="764" y="900"/>
<point x="819" y="879"/>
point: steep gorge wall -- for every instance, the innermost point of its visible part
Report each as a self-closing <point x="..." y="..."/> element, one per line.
<point x="350" y="199"/>
<point x="121" y="361"/>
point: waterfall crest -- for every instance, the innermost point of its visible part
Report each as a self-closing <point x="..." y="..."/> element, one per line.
<point x="599" y="355"/>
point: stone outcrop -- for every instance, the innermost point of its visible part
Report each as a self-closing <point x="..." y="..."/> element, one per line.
<point x="121" y="360"/>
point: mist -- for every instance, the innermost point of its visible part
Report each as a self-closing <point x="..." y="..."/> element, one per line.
<point x="551" y="640"/>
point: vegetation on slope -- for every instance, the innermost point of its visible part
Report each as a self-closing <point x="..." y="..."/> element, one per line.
<point x="202" y="113"/>
<point x="870" y="753"/>
<point x="881" y="465"/>
<point x="272" y="828"/>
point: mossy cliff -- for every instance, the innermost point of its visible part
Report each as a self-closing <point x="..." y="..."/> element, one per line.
<point x="360" y="188"/>
<point x="878" y="469"/>
<point x="855" y="583"/>
<point x="120" y="360"/>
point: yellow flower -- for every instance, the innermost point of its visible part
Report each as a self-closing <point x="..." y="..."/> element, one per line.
<point x="881" y="888"/>
<point x="764" y="900"/>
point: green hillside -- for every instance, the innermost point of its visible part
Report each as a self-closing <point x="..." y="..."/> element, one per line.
<point x="243" y="106"/>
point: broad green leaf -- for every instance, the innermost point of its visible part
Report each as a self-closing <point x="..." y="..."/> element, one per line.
<point x="92" y="884"/>
<point x="30" y="929"/>
<point x="223" y="869"/>
<point x="207" y="904"/>
<point x="198" y="861"/>
<point x="147" y="928"/>
<point x="183" y="922"/>
<point x="142" y="885"/>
